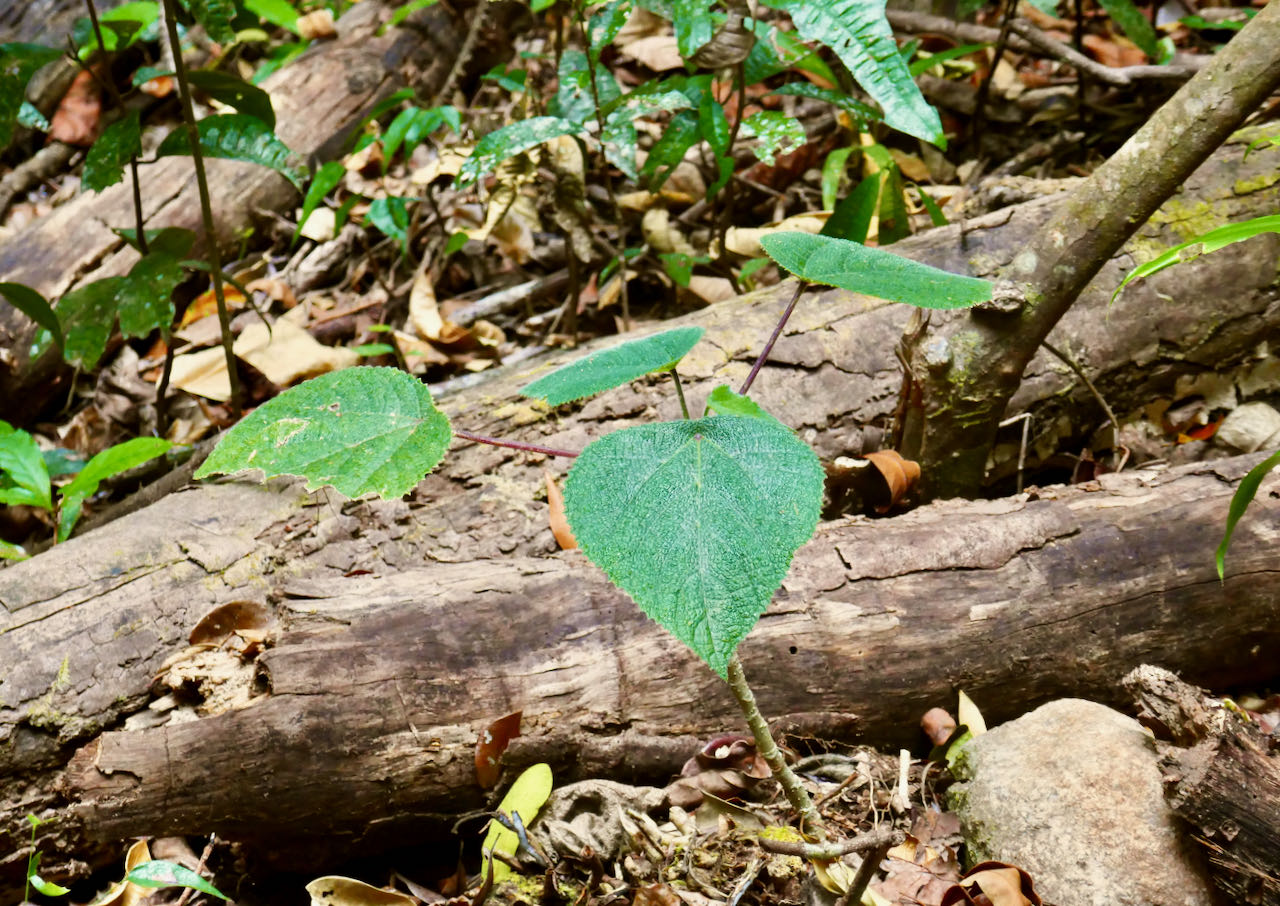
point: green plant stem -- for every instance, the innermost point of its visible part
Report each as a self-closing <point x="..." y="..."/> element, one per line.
<point x="811" y="823"/>
<point x="777" y="332"/>
<point x="675" y="376"/>
<point x="206" y="206"/>
<point x="513" y="444"/>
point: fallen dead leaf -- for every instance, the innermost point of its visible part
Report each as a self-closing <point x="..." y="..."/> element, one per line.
<point x="316" y="24"/>
<point x="225" y="620"/>
<point x="424" y="313"/>
<point x="899" y="475"/>
<point x="711" y="289"/>
<point x="745" y="241"/>
<point x="78" y="119"/>
<point x="286" y="353"/>
<point x="335" y="890"/>
<point x="490" y="746"/>
<point x="126" y="893"/>
<point x="559" y="522"/>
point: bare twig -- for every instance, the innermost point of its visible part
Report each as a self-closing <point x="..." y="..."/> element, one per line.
<point x="513" y="444"/>
<point x="1120" y="457"/>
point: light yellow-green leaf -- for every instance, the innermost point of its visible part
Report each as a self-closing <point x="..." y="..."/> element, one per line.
<point x="525" y="798"/>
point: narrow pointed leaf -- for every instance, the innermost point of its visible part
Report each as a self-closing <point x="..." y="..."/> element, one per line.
<point x="1202" y="245"/>
<point x="693" y="25"/>
<point x="215" y="16"/>
<point x="34" y="306"/>
<point x="525" y="798"/>
<point x="848" y="265"/>
<point x="1240" y="501"/>
<point x="24" y="478"/>
<point x="360" y="430"/>
<point x="852" y="217"/>
<point x="238" y="136"/>
<point x="511" y="140"/>
<point x="854" y="107"/>
<point x="235" y="92"/>
<point x="159" y="873"/>
<point x="324" y="182"/>
<point x="859" y="34"/>
<point x="111" y="461"/>
<point x="697" y="521"/>
<point x="614" y="367"/>
<point x="1134" y="23"/>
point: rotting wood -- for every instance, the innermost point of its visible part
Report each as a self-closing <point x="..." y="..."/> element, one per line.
<point x="371" y="698"/>
<point x="319" y="100"/>
<point x="1222" y="776"/>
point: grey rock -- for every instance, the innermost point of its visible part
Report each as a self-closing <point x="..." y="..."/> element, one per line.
<point x="1072" y="794"/>
<point x="1250" y="427"/>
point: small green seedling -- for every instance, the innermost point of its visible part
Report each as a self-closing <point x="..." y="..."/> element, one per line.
<point x="48" y="888"/>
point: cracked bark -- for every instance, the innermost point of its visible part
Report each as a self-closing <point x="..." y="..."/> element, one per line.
<point x="971" y="375"/>
<point x="373" y="692"/>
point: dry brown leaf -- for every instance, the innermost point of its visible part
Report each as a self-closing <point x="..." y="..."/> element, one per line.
<point x="335" y="890"/>
<point x="78" y="119"/>
<point x="418" y="353"/>
<point x="316" y="24"/>
<point x="126" y="893"/>
<point x="711" y="289"/>
<point x="745" y="241"/>
<point x="559" y="522"/>
<point x="1000" y="883"/>
<point x="225" y="620"/>
<point x="900" y="476"/>
<point x="424" y="313"/>
<point x="658" y="52"/>
<point x="912" y="167"/>
<point x="286" y="353"/>
<point x="276" y="289"/>
<point x="490" y="746"/>
<point x="662" y="235"/>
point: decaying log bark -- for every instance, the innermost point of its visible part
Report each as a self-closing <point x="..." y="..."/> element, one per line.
<point x="319" y="99"/>
<point x="1222" y="776"/>
<point x="357" y="725"/>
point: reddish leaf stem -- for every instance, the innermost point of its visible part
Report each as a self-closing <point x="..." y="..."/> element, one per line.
<point x="777" y="332"/>
<point x="513" y="444"/>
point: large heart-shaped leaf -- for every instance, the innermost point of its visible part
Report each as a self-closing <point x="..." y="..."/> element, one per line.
<point x="848" y="265"/>
<point x="614" y="366"/>
<point x="697" y="520"/>
<point x="361" y="430"/>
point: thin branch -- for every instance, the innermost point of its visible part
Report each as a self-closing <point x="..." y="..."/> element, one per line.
<point x="777" y="332"/>
<point x="1120" y="458"/>
<point x="832" y="850"/>
<point x="675" y="376"/>
<point x="513" y="444"/>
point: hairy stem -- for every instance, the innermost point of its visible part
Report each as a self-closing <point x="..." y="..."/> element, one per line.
<point x="675" y="376"/>
<point x="811" y="823"/>
<point x="777" y="332"/>
<point x="513" y="444"/>
<point x="206" y="206"/>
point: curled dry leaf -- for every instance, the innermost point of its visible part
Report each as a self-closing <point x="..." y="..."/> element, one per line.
<point x="316" y="24"/>
<point x="424" y="313"/>
<point x="248" y="619"/>
<point x="745" y="241"/>
<point x="335" y="890"/>
<point x="490" y="746"/>
<point x="78" y="119"/>
<point x="997" y="883"/>
<point x="559" y="522"/>
<point x="126" y="893"/>
<point x="662" y="234"/>
<point x="900" y="476"/>
<point x="727" y="767"/>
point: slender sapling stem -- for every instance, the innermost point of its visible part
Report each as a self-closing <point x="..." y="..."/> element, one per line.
<point x="675" y="376"/>
<point x="777" y="332"/>
<point x="811" y="823"/>
<point x="206" y="206"/>
<point x="513" y="444"/>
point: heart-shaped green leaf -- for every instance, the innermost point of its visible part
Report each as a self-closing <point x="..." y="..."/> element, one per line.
<point x="697" y="520"/>
<point x="614" y="366"/>
<point x="848" y="265"/>
<point x="361" y="430"/>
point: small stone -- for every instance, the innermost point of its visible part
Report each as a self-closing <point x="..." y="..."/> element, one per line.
<point x="1250" y="427"/>
<point x="1072" y="794"/>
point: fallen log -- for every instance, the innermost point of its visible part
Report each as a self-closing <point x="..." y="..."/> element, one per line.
<point x="355" y="728"/>
<point x="1222" y="776"/>
<point x="319" y="100"/>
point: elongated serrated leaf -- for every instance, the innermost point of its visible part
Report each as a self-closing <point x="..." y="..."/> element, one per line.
<point x="1202" y="245"/>
<point x="238" y="136"/>
<point x="848" y="265"/>
<point x="144" y="301"/>
<point x="510" y="140"/>
<point x="18" y="63"/>
<point x="105" y="161"/>
<point x="859" y="34"/>
<point x="697" y="520"/>
<point x="159" y="873"/>
<point x="235" y="92"/>
<point x="924" y="64"/>
<point x="1134" y="23"/>
<point x="1240" y="500"/>
<point x="525" y="798"/>
<point x="215" y="16"/>
<point x="34" y="306"/>
<point x="724" y="401"/>
<point x="775" y="133"/>
<point x="111" y="461"/>
<point x="693" y="25"/>
<point x="777" y="51"/>
<point x="614" y="366"/>
<point x="682" y="133"/>
<point x="360" y="430"/>
<point x="24" y="478"/>
<point x="324" y="182"/>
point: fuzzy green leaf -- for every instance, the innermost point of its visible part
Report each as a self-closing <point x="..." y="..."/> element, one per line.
<point x="215" y="16"/>
<point x="859" y="34"/>
<point x="360" y="430"/>
<point x="1240" y="501"/>
<point x="105" y="161"/>
<point x="848" y="265"/>
<point x="1202" y="245"/>
<point x="724" y="401"/>
<point x="238" y="136"/>
<point x="159" y="873"/>
<point x="34" y="306"/>
<point x="614" y="366"/>
<point x="24" y="478"/>
<point x="510" y="140"/>
<point x="697" y="520"/>
<point x="111" y="461"/>
<point x="18" y="63"/>
<point x="235" y="92"/>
